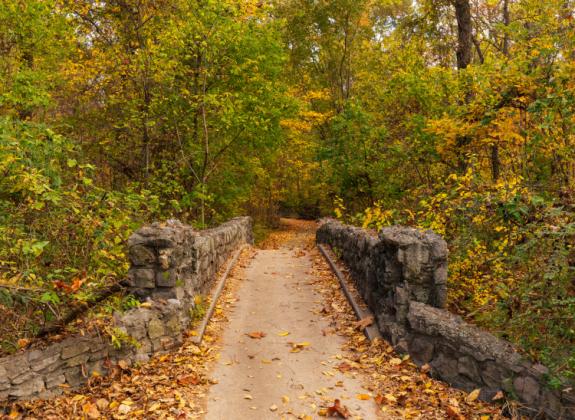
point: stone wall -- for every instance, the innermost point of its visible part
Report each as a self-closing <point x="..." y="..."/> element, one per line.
<point x="401" y="273"/>
<point x="170" y="264"/>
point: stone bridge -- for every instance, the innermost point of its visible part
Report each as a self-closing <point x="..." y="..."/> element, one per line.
<point x="401" y="274"/>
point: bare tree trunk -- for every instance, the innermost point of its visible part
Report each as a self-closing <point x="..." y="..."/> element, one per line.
<point x="464" y="33"/>
<point x="464" y="55"/>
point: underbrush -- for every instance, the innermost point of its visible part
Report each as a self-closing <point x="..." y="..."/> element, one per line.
<point x="512" y="259"/>
<point x="61" y="236"/>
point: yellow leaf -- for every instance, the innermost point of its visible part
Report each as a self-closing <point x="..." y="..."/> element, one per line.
<point x="363" y="397"/>
<point x="473" y="395"/>
<point x="154" y="407"/>
<point x="283" y="333"/>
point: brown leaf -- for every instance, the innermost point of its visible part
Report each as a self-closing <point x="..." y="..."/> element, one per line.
<point x="344" y="367"/>
<point x="188" y="380"/>
<point x="123" y="365"/>
<point x="91" y="410"/>
<point x="363" y="323"/>
<point x="454" y="413"/>
<point x="102" y="404"/>
<point x="425" y="368"/>
<point x="338" y="410"/>
<point x="499" y="396"/>
<point x="23" y="342"/>
<point x="256" y="334"/>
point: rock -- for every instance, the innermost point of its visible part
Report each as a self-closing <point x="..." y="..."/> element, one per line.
<point x="24" y="377"/>
<point x="445" y="367"/>
<point x="135" y="321"/>
<point x="74" y="347"/>
<point x="78" y="360"/>
<point x="467" y="367"/>
<point x="33" y="385"/>
<point x="141" y="256"/>
<point x="527" y="389"/>
<point x="492" y="374"/>
<point x="144" y="278"/>
<point x="173" y="325"/>
<point x="15" y="365"/>
<point x="166" y="278"/>
<point x="74" y="376"/>
<point x="165" y="258"/>
<point x="155" y="329"/>
<point x="46" y="360"/>
<point x="421" y="350"/>
<point x="55" y="380"/>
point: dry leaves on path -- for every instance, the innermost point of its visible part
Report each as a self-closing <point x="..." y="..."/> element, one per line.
<point x="338" y="410"/>
<point x="256" y="335"/>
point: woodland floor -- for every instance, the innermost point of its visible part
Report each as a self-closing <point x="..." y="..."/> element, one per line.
<point x="283" y="344"/>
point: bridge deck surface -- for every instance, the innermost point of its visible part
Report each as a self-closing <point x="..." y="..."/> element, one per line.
<point x="281" y="375"/>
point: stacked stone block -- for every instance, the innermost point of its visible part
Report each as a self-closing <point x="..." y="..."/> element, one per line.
<point x="402" y="275"/>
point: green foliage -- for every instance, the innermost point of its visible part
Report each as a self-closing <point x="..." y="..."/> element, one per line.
<point x="120" y="338"/>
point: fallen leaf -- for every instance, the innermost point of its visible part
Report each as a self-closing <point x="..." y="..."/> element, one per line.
<point x="285" y="399"/>
<point x="102" y="403"/>
<point x="454" y="413"/>
<point x="344" y="367"/>
<point x="23" y="342"/>
<point x="154" y="407"/>
<point x="297" y="347"/>
<point x="273" y="407"/>
<point x="248" y="397"/>
<point x="123" y="365"/>
<point x="338" y="410"/>
<point x="425" y="368"/>
<point x="91" y="410"/>
<point x="188" y="380"/>
<point x="363" y="397"/>
<point x="256" y="334"/>
<point x="283" y="333"/>
<point x="499" y="396"/>
<point x="363" y="323"/>
<point x="473" y="395"/>
<point x="124" y="409"/>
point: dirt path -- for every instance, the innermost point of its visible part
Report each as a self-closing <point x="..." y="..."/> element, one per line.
<point x="293" y="369"/>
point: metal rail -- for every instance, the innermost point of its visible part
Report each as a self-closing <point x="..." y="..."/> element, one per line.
<point x="220" y="287"/>
<point x="371" y="331"/>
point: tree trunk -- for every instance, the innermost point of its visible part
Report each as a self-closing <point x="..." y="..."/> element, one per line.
<point x="464" y="34"/>
<point x="464" y="54"/>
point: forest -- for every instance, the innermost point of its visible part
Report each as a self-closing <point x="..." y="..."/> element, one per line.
<point x="451" y="115"/>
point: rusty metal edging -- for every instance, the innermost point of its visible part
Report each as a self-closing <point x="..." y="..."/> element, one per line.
<point x="371" y="332"/>
<point x="220" y="287"/>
